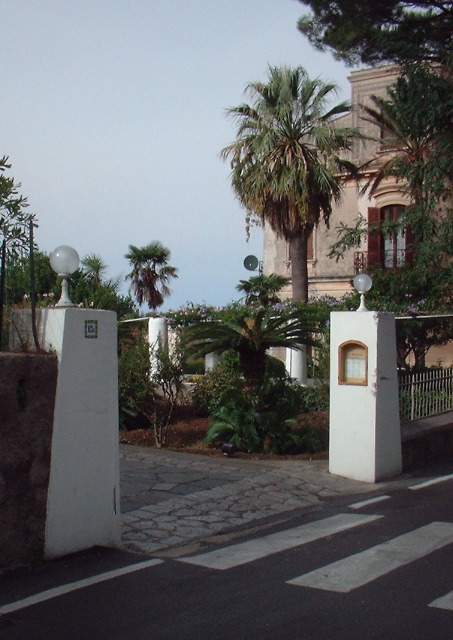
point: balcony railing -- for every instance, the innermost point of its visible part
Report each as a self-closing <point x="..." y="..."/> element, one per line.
<point x="389" y="259"/>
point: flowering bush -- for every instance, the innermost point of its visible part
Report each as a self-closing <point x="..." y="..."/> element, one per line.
<point x="191" y="314"/>
<point x="42" y="300"/>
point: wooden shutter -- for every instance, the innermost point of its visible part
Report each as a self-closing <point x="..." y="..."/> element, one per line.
<point x="374" y="237"/>
<point x="409" y="241"/>
<point x="310" y="252"/>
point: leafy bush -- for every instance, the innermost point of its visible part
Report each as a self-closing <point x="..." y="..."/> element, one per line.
<point x="417" y="403"/>
<point x="264" y="419"/>
<point x="136" y="393"/>
<point x="315" y="398"/>
<point x="147" y="398"/>
<point x="194" y="367"/>
<point x="214" y="388"/>
<point x="308" y="439"/>
<point x="238" y="423"/>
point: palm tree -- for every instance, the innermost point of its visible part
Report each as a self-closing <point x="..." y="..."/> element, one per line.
<point x="251" y="333"/>
<point x="94" y="268"/>
<point x="262" y="289"/>
<point x="150" y="273"/>
<point x="285" y="163"/>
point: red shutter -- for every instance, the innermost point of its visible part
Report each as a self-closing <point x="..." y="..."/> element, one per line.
<point x="374" y="237"/>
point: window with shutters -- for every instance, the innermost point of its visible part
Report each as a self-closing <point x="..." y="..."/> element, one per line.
<point x="387" y="242"/>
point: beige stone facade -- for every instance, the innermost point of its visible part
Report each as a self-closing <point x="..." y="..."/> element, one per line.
<point x="326" y="275"/>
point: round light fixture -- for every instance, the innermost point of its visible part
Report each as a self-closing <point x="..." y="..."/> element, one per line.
<point x="362" y="283"/>
<point x="64" y="261"/>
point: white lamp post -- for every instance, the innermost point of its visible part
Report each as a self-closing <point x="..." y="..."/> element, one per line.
<point x="64" y="261"/>
<point x="362" y="283"/>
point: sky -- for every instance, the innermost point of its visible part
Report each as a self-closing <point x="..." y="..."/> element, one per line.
<point x="113" y="116"/>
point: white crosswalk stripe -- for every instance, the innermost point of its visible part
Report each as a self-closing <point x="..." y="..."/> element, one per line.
<point x="429" y="483"/>
<point x="360" y="569"/>
<point x="244" y="552"/>
<point x="366" y="503"/>
<point x="446" y="602"/>
<point x="63" y="589"/>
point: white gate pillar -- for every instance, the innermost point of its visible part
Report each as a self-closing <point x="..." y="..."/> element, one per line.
<point x="365" y="434"/>
<point x="83" y="506"/>
<point x="157" y="336"/>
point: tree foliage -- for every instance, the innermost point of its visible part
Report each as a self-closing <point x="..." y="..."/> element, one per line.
<point x="263" y="289"/>
<point x="16" y="226"/>
<point x="18" y="279"/>
<point x="150" y="273"/>
<point x="411" y="293"/>
<point x="14" y="219"/>
<point x="286" y="160"/>
<point x="94" y="268"/>
<point x="417" y="117"/>
<point x="384" y="31"/>
<point x="85" y="288"/>
<point x="251" y="331"/>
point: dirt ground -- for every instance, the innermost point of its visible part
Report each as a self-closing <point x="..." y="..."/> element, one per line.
<point x="188" y="430"/>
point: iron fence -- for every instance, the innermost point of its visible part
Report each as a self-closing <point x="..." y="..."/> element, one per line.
<point x="425" y="394"/>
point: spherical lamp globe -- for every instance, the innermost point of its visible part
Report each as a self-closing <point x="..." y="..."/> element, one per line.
<point x="64" y="261"/>
<point x="362" y="283"/>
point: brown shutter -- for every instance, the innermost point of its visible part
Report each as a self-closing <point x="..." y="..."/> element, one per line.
<point x="409" y="241"/>
<point x="374" y="237"/>
<point x="310" y="253"/>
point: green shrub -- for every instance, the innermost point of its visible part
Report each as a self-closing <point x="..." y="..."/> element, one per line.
<point x="194" y="367"/>
<point x="238" y="423"/>
<point x="264" y="419"/>
<point x="212" y="390"/>
<point x="136" y="393"/>
<point x="147" y="399"/>
<point x="315" y="398"/>
<point x="416" y="403"/>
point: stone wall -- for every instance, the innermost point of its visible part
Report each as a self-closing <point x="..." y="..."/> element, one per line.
<point x="27" y="398"/>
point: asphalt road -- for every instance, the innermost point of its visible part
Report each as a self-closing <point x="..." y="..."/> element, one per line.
<point x="353" y="569"/>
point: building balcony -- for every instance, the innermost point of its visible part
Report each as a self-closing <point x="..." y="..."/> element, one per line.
<point x="391" y="259"/>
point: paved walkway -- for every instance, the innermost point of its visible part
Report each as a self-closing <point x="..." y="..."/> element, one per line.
<point x="170" y="499"/>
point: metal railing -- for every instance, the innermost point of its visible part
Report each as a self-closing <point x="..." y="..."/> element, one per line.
<point x="390" y="259"/>
<point x="425" y="394"/>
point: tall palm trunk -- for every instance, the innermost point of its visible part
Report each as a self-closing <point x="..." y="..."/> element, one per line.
<point x="299" y="268"/>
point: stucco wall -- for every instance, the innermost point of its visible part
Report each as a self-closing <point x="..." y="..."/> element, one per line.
<point x="27" y="399"/>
